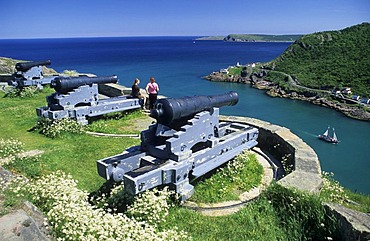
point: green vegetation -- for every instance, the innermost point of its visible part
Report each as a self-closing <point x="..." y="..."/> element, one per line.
<point x="238" y="176"/>
<point x="63" y="181"/>
<point x="211" y="38"/>
<point x="29" y="91"/>
<point x="328" y="60"/>
<point x="117" y="123"/>
<point x="278" y="214"/>
<point x="7" y="65"/>
<point x="72" y="153"/>
<point x="235" y="70"/>
<point x="261" y="38"/>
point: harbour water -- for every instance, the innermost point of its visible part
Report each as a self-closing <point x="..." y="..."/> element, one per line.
<point x="179" y="63"/>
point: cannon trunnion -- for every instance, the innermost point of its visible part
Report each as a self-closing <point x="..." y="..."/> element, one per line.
<point x="78" y="98"/>
<point x="186" y="142"/>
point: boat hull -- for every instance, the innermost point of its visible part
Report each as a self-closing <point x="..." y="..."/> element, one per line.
<point x="328" y="139"/>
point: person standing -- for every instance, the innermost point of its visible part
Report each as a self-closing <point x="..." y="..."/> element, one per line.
<point x="135" y="92"/>
<point x="152" y="90"/>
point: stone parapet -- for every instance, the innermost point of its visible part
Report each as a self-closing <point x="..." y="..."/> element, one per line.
<point x="288" y="149"/>
<point x="113" y="90"/>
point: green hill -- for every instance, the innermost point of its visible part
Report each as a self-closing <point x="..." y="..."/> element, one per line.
<point x="331" y="59"/>
<point x="261" y="38"/>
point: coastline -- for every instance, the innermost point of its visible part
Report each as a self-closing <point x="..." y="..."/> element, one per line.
<point x="257" y="80"/>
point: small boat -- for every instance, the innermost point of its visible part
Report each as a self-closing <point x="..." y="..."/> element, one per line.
<point x="326" y="137"/>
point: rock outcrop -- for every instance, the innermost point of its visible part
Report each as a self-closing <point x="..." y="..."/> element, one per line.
<point x="353" y="225"/>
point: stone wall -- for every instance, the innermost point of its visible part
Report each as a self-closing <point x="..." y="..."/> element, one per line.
<point x="289" y="149"/>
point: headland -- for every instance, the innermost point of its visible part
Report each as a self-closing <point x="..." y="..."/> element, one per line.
<point x="257" y="79"/>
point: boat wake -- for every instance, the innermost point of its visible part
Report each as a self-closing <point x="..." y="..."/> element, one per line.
<point x="309" y="134"/>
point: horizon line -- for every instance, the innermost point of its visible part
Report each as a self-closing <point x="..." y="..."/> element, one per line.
<point x="139" y="36"/>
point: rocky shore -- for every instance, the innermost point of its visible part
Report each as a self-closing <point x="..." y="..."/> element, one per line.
<point x="258" y="81"/>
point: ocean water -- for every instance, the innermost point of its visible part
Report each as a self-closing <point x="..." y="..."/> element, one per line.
<point x="179" y="63"/>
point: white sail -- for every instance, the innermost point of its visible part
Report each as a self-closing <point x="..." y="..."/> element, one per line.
<point x="326" y="133"/>
<point x="334" y="135"/>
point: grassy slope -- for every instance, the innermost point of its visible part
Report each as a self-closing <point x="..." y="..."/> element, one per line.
<point x="18" y="116"/>
<point x="330" y="59"/>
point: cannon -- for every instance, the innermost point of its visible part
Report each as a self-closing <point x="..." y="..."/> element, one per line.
<point x="25" y="66"/>
<point x="173" y="112"/>
<point x="66" y="84"/>
<point x="30" y="74"/>
<point x="186" y="142"/>
<point x="78" y="98"/>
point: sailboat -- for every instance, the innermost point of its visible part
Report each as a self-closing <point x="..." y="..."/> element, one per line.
<point x="326" y="137"/>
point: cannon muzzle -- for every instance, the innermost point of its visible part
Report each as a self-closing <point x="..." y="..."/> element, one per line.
<point x="24" y="66"/>
<point x="66" y="84"/>
<point x="169" y="110"/>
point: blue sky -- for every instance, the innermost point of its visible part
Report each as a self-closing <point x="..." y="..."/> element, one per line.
<point x="90" y="18"/>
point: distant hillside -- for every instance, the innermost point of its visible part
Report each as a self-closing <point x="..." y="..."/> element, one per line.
<point x="7" y="66"/>
<point x="330" y="59"/>
<point x="211" y="38"/>
<point x="261" y="38"/>
<point x="253" y="38"/>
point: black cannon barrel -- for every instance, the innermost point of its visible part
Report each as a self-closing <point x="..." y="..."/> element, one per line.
<point x="65" y="84"/>
<point x="24" y="66"/>
<point x="167" y="111"/>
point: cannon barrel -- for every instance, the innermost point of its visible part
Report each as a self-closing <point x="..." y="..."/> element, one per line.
<point x="66" y="84"/>
<point x="24" y="66"/>
<point x="167" y="111"/>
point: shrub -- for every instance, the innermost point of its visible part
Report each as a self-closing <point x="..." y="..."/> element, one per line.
<point x="25" y="92"/>
<point x="73" y="73"/>
<point x="151" y="206"/>
<point x="56" y="128"/>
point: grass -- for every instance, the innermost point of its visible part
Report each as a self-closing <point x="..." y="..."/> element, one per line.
<point x="256" y="221"/>
<point x="279" y="214"/>
<point x="75" y="154"/>
<point x="235" y="71"/>
<point x="117" y="123"/>
<point x="238" y="176"/>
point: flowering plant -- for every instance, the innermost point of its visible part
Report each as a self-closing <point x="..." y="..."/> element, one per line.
<point x="72" y="217"/>
<point x="55" y="128"/>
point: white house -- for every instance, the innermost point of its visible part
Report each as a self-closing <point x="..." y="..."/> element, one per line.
<point x="346" y="91"/>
